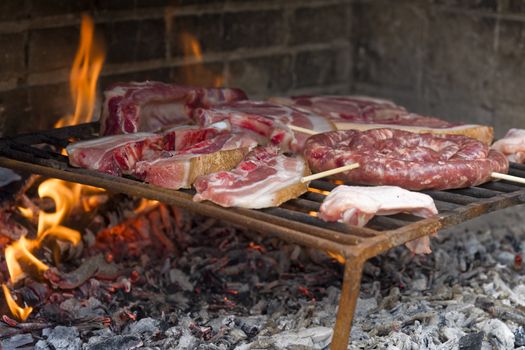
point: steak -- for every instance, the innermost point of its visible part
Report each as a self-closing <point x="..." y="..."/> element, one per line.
<point x="365" y="113"/>
<point x="150" y="106"/>
<point x="265" y="178"/>
<point x="266" y="121"/>
<point x="409" y="160"/>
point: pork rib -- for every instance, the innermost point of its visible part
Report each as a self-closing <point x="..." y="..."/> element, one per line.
<point x="149" y="106"/>
<point x="270" y="122"/>
<point x="265" y="178"/>
<point x="365" y="113"/>
<point x="512" y="145"/>
<point x="180" y="169"/>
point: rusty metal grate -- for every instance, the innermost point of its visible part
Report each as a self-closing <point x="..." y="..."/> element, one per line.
<point x="40" y="153"/>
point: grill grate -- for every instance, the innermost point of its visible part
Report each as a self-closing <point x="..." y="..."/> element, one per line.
<point x="40" y="153"/>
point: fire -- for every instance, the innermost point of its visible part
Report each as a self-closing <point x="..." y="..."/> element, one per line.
<point x="146" y="204"/>
<point x="194" y="72"/>
<point x="315" y="190"/>
<point x="338" y="257"/>
<point x="21" y="313"/>
<point x="67" y="197"/>
<point x="84" y="75"/>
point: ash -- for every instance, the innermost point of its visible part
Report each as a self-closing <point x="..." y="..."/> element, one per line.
<point x="182" y="281"/>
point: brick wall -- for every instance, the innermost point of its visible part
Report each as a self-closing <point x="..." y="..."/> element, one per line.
<point x="265" y="47"/>
<point x="459" y="60"/>
<point x="462" y="60"/>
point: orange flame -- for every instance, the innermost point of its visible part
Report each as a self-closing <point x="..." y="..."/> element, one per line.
<point x="20" y="255"/>
<point x="21" y="313"/>
<point x="194" y="71"/>
<point x="84" y="75"/>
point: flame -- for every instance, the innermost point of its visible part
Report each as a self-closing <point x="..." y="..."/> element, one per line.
<point x="145" y="204"/>
<point x="338" y="257"/>
<point x="315" y="190"/>
<point x="194" y="71"/>
<point x="84" y="75"/>
<point x="20" y="313"/>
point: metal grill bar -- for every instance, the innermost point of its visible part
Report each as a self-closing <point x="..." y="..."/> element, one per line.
<point x="40" y="153"/>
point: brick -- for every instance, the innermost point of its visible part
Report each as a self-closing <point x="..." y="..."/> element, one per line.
<point x="12" y="56"/>
<point x="52" y="48"/>
<point x="133" y="41"/>
<point x="15" y="118"/>
<point x="508" y="115"/>
<point x="460" y="58"/>
<point x="209" y="74"/>
<point x="485" y="5"/>
<point x="48" y="104"/>
<point x="207" y="29"/>
<point x="40" y="8"/>
<point x="14" y="9"/>
<point x="324" y="67"/>
<point x="262" y="76"/>
<point x="390" y="44"/>
<point x="508" y="83"/>
<point x="253" y="29"/>
<point x="319" y="24"/>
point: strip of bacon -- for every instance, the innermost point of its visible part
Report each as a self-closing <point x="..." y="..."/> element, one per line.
<point x="265" y="178"/>
<point x="357" y="205"/>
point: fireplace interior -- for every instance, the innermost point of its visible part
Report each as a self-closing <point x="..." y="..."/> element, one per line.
<point x="91" y="268"/>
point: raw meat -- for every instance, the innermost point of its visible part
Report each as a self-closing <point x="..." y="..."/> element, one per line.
<point x="265" y="178"/>
<point x="179" y="169"/>
<point x="266" y="120"/>
<point x="114" y="154"/>
<point x="183" y="137"/>
<point x="356" y="205"/>
<point x="512" y="145"/>
<point x="365" y="113"/>
<point x="149" y="106"/>
<point x="409" y="160"/>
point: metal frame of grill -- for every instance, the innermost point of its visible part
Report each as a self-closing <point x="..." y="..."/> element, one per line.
<point x="40" y="153"/>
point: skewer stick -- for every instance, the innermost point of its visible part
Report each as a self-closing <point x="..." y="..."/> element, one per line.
<point x="501" y="176"/>
<point x="329" y="172"/>
<point x="303" y="130"/>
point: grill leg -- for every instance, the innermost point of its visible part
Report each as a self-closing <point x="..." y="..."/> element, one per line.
<point x="347" y="302"/>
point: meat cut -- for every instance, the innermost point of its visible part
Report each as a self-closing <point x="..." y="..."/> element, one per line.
<point x="115" y="154"/>
<point x="512" y="145"/>
<point x="179" y="169"/>
<point x="118" y="154"/>
<point x="265" y="178"/>
<point x="149" y="106"/>
<point x="409" y="160"/>
<point x="365" y="113"/>
<point x="356" y="205"/>
<point x="269" y="122"/>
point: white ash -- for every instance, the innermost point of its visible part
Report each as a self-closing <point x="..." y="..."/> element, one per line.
<point x="468" y="294"/>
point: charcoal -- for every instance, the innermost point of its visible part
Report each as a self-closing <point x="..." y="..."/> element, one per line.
<point x="78" y="310"/>
<point x="17" y="342"/>
<point x="118" y="342"/>
<point x="63" y="338"/>
<point x="179" y="277"/>
<point x="7" y="176"/>
<point x="146" y="326"/>
<point x="472" y="341"/>
<point x="498" y="334"/>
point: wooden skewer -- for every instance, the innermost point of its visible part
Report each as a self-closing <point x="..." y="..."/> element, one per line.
<point x="329" y="172"/>
<point x="303" y="130"/>
<point x="501" y="176"/>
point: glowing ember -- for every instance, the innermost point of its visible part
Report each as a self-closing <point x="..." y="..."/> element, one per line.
<point x="194" y="72"/>
<point x="20" y="313"/>
<point x="84" y="75"/>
